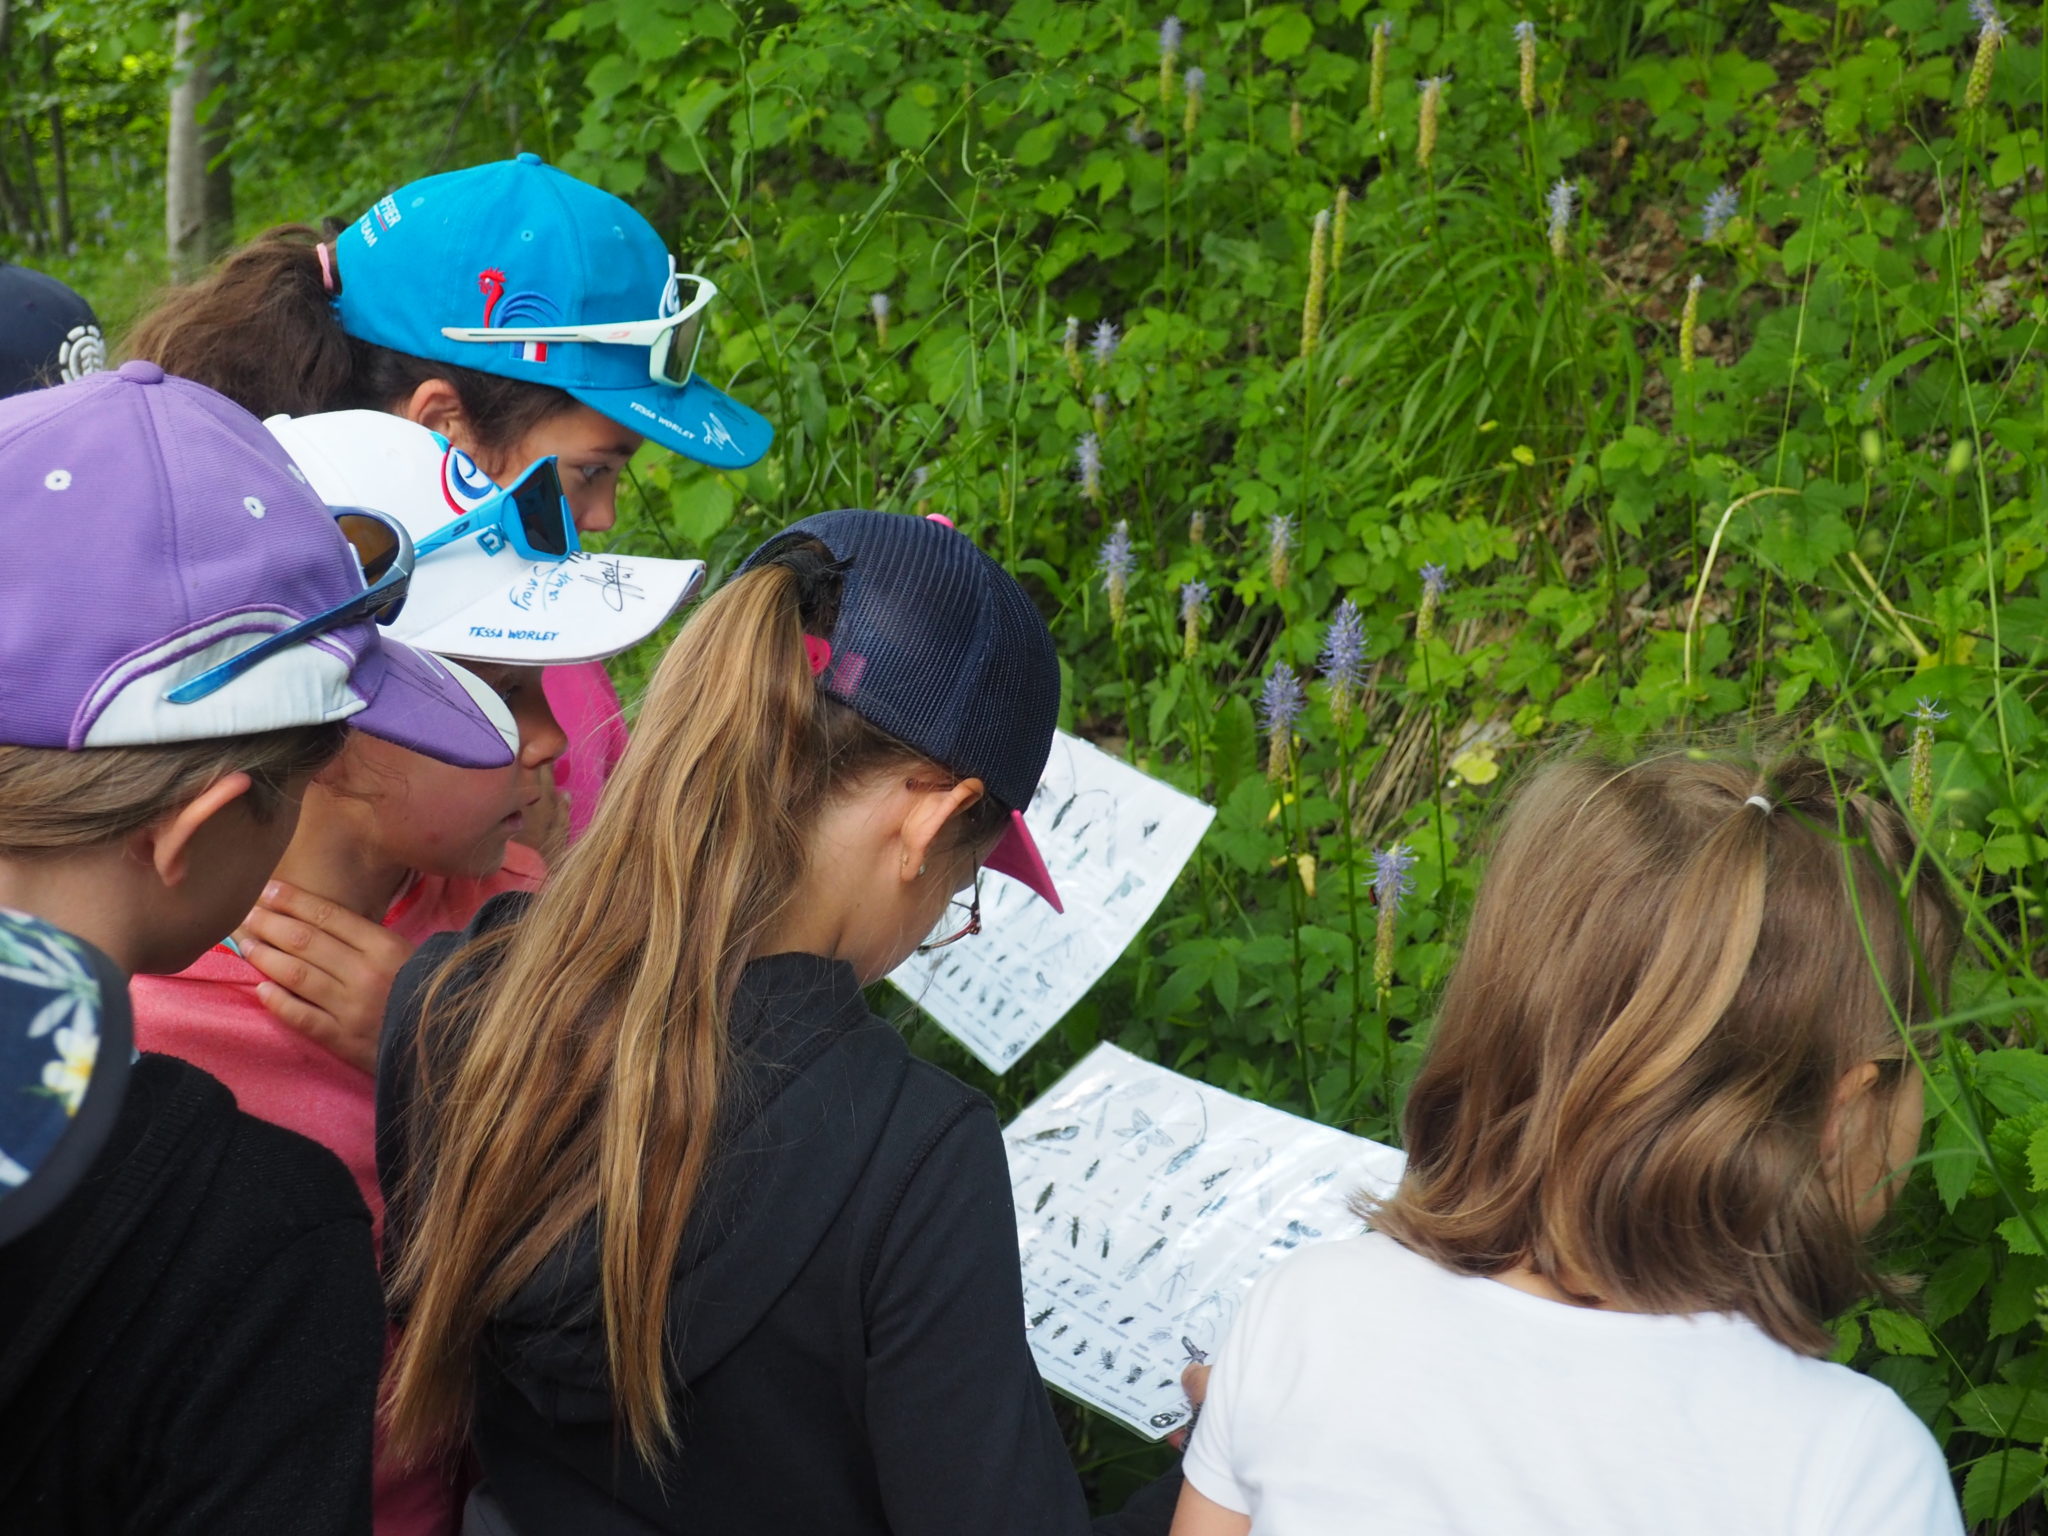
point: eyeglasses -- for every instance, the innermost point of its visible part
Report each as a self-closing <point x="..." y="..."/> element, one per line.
<point x="531" y="514"/>
<point x="671" y="341"/>
<point x="384" y="555"/>
<point x="968" y="914"/>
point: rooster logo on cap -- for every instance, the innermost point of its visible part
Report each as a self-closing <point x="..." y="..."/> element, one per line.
<point x="524" y="307"/>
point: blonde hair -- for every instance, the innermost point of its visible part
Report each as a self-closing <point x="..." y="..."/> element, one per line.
<point x="1636" y="1058"/>
<point x="578" y="1072"/>
<point x="52" y="800"/>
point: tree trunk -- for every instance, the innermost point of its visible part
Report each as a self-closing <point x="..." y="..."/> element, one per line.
<point x="198" y="183"/>
<point x="60" y="171"/>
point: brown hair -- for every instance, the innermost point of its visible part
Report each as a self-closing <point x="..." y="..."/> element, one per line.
<point x="1635" y="1061"/>
<point x="552" y="1092"/>
<point x="261" y="329"/>
<point x="52" y="800"/>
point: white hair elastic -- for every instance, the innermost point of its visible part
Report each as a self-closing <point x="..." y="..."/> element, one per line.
<point x="1760" y="803"/>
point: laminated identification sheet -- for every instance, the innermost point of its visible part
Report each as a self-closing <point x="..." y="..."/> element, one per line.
<point x="1147" y="1204"/>
<point x="1115" y="840"/>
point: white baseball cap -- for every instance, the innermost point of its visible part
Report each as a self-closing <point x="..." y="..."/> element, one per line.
<point x="478" y="599"/>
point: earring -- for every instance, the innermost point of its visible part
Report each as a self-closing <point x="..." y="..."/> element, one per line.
<point x="920" y="869"/>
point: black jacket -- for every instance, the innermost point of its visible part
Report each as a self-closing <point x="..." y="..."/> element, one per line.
<point x="846" y="1318"/>
<point x="190" y="1342"/>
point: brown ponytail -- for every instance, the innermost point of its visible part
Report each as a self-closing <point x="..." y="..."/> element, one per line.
<point x="261" y="329"/>
<point x="1635" y="1061"/>
<point x="558" y="1089"/>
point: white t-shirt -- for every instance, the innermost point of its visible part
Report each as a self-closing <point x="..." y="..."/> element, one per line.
<point x="1366" y="1389"/>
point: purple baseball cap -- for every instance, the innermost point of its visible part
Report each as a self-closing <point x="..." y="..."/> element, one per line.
<point x="153" y="529"/>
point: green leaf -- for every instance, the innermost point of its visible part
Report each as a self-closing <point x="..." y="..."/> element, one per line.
<point x="2037" y="1158"/>
<point x="1898" y="1334"/>
<point x="2023" y="1234"/>
<point x="1955" y="1158"/>
<point x="702" y="508"/>
<point x="2005" y="1411"/>
<point x="1223" y="981"/>
<point x="1289" y="35"/>
<point x="910" y="122"/>
<point x="2000" y="1483"/>
<point x="1799" y="26"/>
<point x="2012" y="1297"/>
<point x="1955" y="1283"/>
<point x="1236" y="743"/>
<point x="2013" y="1080"/>
<point x="1035" y="146"/>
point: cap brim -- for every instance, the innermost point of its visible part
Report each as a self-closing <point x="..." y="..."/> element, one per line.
<point x="697" y="421"/>
<point x="433" y="708"/>
<point x="1017" y="856"/>
<point x="539" y="613"/>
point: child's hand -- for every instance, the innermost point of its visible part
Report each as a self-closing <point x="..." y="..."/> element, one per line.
<point x="1194" y="1381"/>
<point x="547" y="822"/>
<point x="329" y="969"/>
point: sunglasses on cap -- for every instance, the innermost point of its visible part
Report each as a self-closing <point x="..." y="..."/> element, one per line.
<point x="531" y="514"/>
<point x="671" y="340"/>
<point x="384" y="555"/>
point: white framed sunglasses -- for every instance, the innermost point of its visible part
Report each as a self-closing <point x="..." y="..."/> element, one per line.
<point x="671" y="340"/>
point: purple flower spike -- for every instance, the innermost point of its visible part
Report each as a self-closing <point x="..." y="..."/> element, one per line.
<point x="1343" y="660"/>
<point x="1928" y="711"/>
<point x="1563" y="198"/>
<point x="1170" y="36"/>
<point x="1194" y="597"/>
<point x="1280" y="701"/>
<point x="1721" y="206"/>
<point x="1393" y="877"/>
<point x="1102" y="345"/>
<point x="1115" y="560"/>
<point x="1088" y="461"/>
<point x="1435" y="580"/>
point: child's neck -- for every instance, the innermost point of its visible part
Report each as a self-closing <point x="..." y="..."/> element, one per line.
<point x="334" y="853"/>
<point x="92" y="893"/>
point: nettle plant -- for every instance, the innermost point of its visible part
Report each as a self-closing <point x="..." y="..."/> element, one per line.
<point x="1376" y="395"/>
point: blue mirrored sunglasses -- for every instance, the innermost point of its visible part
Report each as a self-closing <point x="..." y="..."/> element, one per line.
<point x="531" y="514"/>
<point x="384" y="554"/>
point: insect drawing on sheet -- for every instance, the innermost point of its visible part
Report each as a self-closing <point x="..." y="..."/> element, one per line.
<point x="1147" y="1203"/>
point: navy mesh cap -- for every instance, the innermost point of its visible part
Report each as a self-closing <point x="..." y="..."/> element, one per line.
<point x="939" y="646"/>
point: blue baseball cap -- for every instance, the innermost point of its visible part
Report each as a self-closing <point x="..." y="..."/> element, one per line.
<point x="939" y="646"/>
<point x="519" y="243"/>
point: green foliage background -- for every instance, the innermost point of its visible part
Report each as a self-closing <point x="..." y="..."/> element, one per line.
<point x="1839" y="510"/>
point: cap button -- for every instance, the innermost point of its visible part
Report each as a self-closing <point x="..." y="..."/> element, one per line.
<point x="137" y="371"/>
<point x="527" y="157"/>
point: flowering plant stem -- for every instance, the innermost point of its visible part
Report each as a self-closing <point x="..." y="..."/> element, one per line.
<point x="1348" y="833"/>
<point x="1291" y="810"/>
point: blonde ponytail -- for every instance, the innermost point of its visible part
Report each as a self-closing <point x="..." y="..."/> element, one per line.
<point x="581" y="1076"/>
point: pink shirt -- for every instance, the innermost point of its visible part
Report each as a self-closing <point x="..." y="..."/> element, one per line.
<point x="586" y="706"/>
<point x="209" y="1015"/>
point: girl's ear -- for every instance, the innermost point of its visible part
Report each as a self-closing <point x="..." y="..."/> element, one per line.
<point x="926" y="821"/>
<point x="167" y="845"/>
<point x="436" y="406"/>
<point x="1850" y="1103"/>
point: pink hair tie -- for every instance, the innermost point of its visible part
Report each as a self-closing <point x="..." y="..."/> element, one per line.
<point x="818" y="653"/>
<point x="327" y="268"/>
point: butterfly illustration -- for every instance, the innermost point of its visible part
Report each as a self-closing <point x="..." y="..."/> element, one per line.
<point x="1144" y="1134"/>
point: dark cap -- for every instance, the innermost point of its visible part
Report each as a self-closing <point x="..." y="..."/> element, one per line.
<point x="66" y="1041"/>
<point x="48" y="334"/>
<point x="937" y="645"/>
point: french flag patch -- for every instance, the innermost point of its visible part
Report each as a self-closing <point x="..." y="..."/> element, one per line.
<point x="533" y="351"/>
